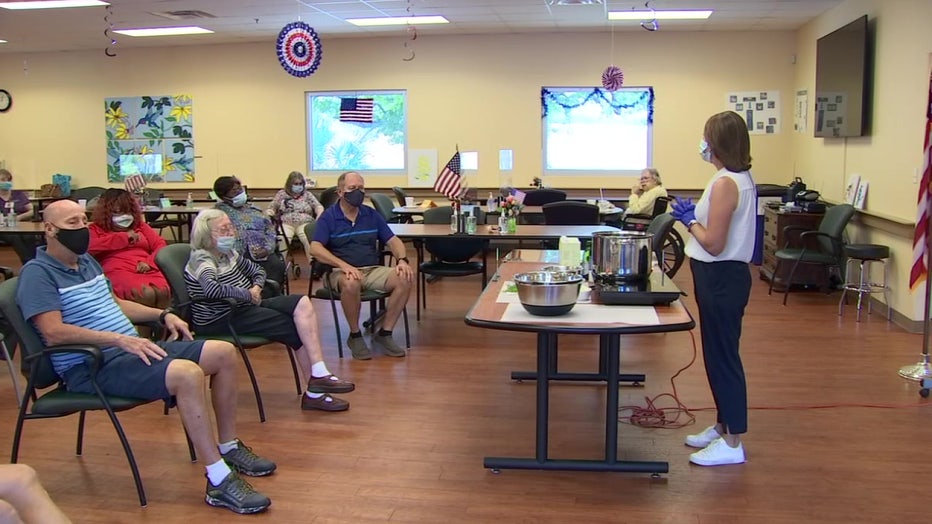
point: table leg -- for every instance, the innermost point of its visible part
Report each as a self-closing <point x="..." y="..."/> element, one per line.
<point x="636" y="379"/>
<point x="547" y="345"/>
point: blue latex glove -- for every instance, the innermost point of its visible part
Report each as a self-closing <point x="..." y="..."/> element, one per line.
<point x="687" y="216"/>
<point x="682" y="204"/>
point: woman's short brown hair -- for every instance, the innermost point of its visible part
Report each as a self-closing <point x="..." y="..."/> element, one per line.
<point x="727" y="136"/>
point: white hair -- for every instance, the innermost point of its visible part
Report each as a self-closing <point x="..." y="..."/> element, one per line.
<point x="200" y="231"/>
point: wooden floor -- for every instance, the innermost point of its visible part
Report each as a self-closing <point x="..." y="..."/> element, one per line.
<point x="411" y="447"/>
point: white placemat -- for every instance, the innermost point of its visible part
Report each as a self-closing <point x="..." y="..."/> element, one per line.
<point x="588" y="314"/>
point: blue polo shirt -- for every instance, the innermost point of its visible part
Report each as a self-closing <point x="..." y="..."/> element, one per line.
<point x="354" y="243"/>
<point x="83" y="296"/>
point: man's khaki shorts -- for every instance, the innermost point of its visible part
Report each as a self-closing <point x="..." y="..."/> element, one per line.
<point x="373" y="277"/>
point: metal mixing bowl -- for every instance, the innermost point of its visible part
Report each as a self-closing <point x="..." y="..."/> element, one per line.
<point x="548" y="293"/>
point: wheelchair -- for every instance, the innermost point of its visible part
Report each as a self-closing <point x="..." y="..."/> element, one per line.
<point x="286" y="249"/>
<point x="673" y="246"/>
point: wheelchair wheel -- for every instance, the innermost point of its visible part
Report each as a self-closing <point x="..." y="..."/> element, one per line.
<point x="296" y="271"/>
<point x="673" y="253"/>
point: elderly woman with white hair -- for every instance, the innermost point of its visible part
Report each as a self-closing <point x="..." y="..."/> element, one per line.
<point x="643" y="195"/>
<point x="217" y="271"/>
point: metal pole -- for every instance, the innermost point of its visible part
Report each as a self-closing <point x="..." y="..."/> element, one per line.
<point x="922" y="369"/>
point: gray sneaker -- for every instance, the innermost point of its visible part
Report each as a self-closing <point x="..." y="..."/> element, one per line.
<point x="237" y="495"/>
<point x="359" y="348"/>
<point x="243" y="460"/>
<point x="389" y="347"/>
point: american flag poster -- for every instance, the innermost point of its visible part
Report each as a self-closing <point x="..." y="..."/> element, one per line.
<point x="356" y="110"/>
<point x="449" y="181"/>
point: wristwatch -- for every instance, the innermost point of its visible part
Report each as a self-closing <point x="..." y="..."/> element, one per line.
<point x="691" y="224"/>
<point x="405" y="260"/>
<point x="165" y="313"/>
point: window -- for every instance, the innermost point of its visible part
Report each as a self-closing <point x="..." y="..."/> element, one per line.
<point x="357" y="130"/>
<point x="587" y="130"/>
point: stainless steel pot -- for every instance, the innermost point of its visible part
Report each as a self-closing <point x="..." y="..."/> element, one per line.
<point x="621" y="255"/>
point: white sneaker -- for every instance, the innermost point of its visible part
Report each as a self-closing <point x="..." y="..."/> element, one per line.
<point x="718" y="453"/>
<point x="703" y="438"/>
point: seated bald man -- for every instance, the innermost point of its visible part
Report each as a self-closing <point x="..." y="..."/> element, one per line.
<point x="65" y="296"/>
<point x="346" y="238"/>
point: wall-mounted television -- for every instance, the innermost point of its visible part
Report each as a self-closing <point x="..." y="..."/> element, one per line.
<point x="842" y="103"/>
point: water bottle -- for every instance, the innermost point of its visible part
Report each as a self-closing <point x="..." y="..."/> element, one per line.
<point x="190" y="201"/>
<point x="570" y="255"/>
<point x="491" y="204"/>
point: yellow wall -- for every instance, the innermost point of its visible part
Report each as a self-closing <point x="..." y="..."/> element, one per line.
<point x="892" y="153"/>
<point x="481" y="92"/>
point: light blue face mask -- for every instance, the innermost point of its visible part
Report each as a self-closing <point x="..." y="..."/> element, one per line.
<point x="122" y="221"/>
<point x="705" y="151"/>
<point x="239" y="199"/>
<point x="297" y="189"/>
<point x="6" y="186"/>
<point x="226" y="244"/>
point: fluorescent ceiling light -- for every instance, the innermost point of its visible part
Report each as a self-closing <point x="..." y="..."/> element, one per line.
<point x="659" y="15"/>
<point x="398" y="20"/>
<point x="52" y="4"/>
<point x="2" y="41"/>
<point x="164" y="31"/>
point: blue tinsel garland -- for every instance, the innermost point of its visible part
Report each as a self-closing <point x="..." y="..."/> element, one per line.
<point x="605" y="97"/>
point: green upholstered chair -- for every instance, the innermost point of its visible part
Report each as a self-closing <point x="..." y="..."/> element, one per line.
<point x="58" y="402"/>
<point x="668" y="245"/>
<point x="171" y="260"/>
<point x="822" y="247"/>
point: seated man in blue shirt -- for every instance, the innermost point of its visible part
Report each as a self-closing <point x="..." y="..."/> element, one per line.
<point x="346" y="238"/>
<point x="65" y="296"/>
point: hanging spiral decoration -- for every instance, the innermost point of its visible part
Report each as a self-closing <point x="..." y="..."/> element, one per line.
<point x="110" y="50"/>
<point x="298" y="49"/>
<point x="612" y="78"/>
<point x="410" y="36"/>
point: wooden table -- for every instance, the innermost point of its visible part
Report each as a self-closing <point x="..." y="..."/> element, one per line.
<point x="488" y="313"/>
<point x="537" y="211"/>
<point x="24" y="228"/>
<point x="487" y="231"/>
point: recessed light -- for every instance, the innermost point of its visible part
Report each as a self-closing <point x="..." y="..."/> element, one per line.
<point x="52" y="4"/>
<point x="164" y="31"/>
<point x="660" y="15"/>
<point x="398" y="20"/>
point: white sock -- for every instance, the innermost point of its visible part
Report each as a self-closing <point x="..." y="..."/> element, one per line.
<point x="320" y="370"/>
<point x="217" y="471"/>
<point x="226" y="447"/>
<point x="313" y="395"/>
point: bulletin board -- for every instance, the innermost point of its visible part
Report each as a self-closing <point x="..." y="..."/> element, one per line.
<point x="760" y="109"/>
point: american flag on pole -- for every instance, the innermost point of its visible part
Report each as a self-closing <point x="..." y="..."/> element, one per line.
<point x="920" y="269"/>
<point x="356" y="110"/>
<point x="449" y="180"/>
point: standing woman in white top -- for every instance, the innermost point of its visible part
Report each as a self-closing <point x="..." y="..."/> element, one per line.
<point x="722" y="225"/>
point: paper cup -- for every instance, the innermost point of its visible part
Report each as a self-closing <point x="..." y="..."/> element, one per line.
<point x="409" y="201"/>
<point x="83" y="203"/>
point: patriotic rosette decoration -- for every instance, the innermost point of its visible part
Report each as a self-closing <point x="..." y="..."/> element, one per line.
<point x="612" y="78"/>
<point x="298" y="49"/>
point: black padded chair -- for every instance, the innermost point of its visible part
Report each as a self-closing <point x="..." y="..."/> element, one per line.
<point x="571" y="213"/>
<point x="172" y="260"/>
<point x="539" y="197"/>
<point x="400" y="195"/>
<point x="375" y="298"/>
<point x="638" y="222"/>
<point x="449" y="257"/>
<point x="40" y="402"/>
<point x="159" y="221"/>
<point x="822" y="247"/>
<point x="667" y="243"/>
<point x="329" y="197"/>
<point x="86" y="193"/>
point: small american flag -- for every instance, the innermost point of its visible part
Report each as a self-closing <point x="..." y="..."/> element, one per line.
<point x="134" y="183"/>
<point x="920" y="269"/>
<point x="449" y="181"/>
<point x="356" y="110"/>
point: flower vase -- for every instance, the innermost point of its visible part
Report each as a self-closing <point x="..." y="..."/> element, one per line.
<point x="511" y="225"/>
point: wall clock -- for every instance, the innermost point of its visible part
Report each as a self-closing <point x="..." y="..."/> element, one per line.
<point x="6" y="100"/>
